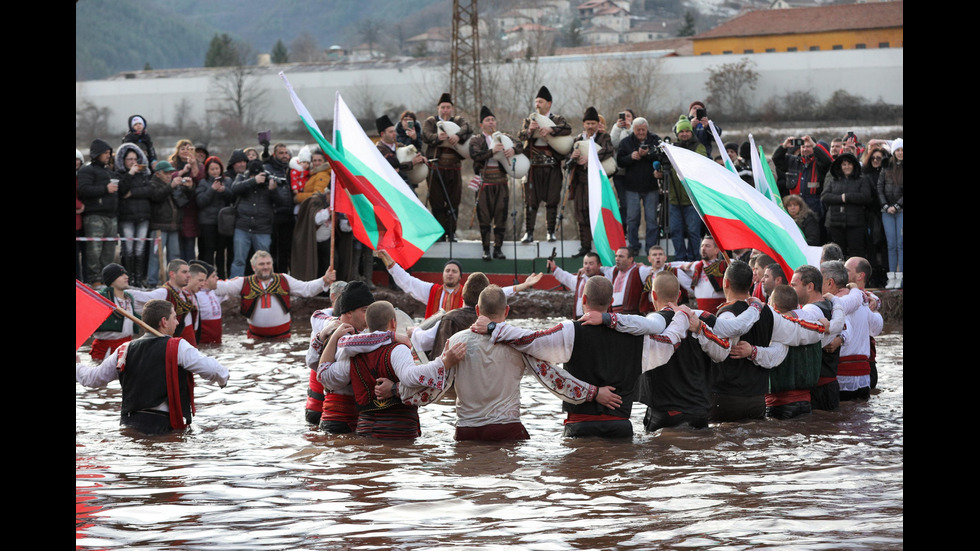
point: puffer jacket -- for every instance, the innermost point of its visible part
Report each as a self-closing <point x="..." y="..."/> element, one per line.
<point x="136" y="207"/>
<point x="845" y="212"/>
<point x="256" y="209"/>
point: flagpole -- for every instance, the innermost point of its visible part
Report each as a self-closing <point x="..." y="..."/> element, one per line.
<point x="561" y="213"/>
<point x="138" y="321"/>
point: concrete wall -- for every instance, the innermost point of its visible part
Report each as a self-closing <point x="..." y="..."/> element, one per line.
<point x="873" y="74"/>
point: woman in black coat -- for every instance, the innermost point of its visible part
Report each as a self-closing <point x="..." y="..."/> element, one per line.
<point x="804" y="218"/>
<point x="846" y="195"/>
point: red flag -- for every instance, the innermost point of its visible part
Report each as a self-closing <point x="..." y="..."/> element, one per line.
<point x="91" y="309"/>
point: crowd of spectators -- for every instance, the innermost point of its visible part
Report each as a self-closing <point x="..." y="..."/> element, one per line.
<point x="161" y="209"/>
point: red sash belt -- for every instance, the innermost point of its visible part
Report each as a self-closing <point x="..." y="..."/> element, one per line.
<point x="277" y="332"/>
<point x="824" y="380"/>
<point x="210" y="332"/>
<point x="853" y="366"/>
<point x="339" y="407"/>
<point x="582" y="418"/>
<point x="787" y="397"/>
<point x="314" y="394"/>
<point x="173" y="387"/>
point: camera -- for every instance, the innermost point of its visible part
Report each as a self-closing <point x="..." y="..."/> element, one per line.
<point x="701" y="113"/>
<point x="797" y="142"/>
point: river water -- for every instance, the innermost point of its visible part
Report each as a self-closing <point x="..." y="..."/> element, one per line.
<point x="251" y="475"/>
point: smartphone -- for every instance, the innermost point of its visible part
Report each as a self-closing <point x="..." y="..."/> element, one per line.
<point x="264" y="136"/>
<point x="622" y="115"/>
<point x="701" y="113"/>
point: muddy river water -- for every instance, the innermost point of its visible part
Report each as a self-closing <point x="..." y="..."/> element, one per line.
<point x="251" y="475"/>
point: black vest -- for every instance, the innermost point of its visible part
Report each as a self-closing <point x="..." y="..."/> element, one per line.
<point x="144" y="380"/>
<point x="604" y="356"/>
<point x="681" y="384"/>
<point x="742" y="377"/>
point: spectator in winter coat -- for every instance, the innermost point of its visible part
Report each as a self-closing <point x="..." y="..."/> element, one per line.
<point x="99" y="190"/>
<point x="845" y="196"/>
<point x="134" y="208"/>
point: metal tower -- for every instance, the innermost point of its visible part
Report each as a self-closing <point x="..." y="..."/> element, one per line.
<point x="465" y="75"/>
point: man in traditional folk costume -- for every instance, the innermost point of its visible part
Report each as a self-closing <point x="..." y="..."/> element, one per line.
<point x="388" y="144"/>
<point x="493" y="195"/>
<point x="156" y="375"/>
<point x="862" y="324"/>
<point x="360" y="360"/>
<point x="657" y="257"/>
<point x="266" y="296"/>
<point x="807" y="281"/>
<point x="444" y="296"/>
<point x="591" y="266"/>
<point x="740" y="383"/>
<point x="627" y="278"/>
<point x="447" y="192"/>
<point x="488" y="381"/>
<point x="117" y="328"/>
<point x="335" y="412"/>
<point x="544" y="181"/>
<point x="704" y="278"/>
<point x="578" y="164"/>
<point x="178" y="275"/>
<point x="599" y="354"/>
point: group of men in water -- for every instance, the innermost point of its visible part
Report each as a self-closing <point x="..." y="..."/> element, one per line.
<point x="765" y="348"/>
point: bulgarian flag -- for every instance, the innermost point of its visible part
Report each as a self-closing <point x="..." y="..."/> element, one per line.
<point x="739" y="216"/>
<point x="607" y="226"/>
<point x="382" y="209"/>
<point x="91" y="309"/>
<point x="765" y="182"/>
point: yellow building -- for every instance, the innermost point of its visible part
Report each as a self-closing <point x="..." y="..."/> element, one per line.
<point x="855" y="26"/>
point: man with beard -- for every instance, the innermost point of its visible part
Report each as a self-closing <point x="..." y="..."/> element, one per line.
<point x="445" y="296"/>
<point x="578" y="164"/>
<point x="265" y="296"/>
<point x="283" y="219"/>
<point x="544" y="179"/>
<point x="591" y="266"/>
<point x="772" y="275"/>
<point x="445" y="178"/>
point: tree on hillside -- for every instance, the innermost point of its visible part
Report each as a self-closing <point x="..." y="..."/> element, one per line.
<point x="304" y="48"/>
<point x="223" y="52"/>
<point x="728" y="85"/>
<point x="91" y="122"/>
<point x="279" y="53"/>
<point x="688" y="28"/>
<point x="370" y="31"/>
<point x="240" y="102"/>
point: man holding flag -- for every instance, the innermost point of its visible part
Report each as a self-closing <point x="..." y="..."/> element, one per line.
<point x="156" y="374"/>
<point x="577" y="164"/>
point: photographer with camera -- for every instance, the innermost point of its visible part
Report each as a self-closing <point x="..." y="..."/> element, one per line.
<point x="805" y="164"/>
<point x="277" y="167"/>
<point x="698" y="115"/>
<point x="685" y="223"/>
<point x="258" y="194"/>
<point x="636" y="155"/>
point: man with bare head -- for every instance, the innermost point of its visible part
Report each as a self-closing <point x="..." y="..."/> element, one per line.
<point x="266" y="296"/>
<point x="174" y="292"/>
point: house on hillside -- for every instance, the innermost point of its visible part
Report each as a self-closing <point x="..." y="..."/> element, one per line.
<point x="843" y="27"/>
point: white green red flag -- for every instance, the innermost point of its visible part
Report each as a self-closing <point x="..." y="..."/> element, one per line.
<point x="765" y="182"/>
<point x="738" y="216"/>
<point x="382" y="209"/>
<point x="607" y="226"/>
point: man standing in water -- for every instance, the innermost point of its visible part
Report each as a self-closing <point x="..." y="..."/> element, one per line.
<point x="445" y="296"/>
<point x="156" y="374"/>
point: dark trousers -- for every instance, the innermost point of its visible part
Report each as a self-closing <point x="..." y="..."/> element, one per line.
<point x="655" y="420"/>
<point x="605" y="429"/>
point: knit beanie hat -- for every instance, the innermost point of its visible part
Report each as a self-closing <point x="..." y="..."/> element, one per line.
<point x="682" y="124"/>
<point x="112" y="272"/>
<point x="355" y="296"/>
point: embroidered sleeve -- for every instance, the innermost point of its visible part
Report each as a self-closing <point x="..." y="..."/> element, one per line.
<point x="334" y="375"/>
<point x="652" y="324"/>
<point x="769" y="356"/>
<point x="795" y="332"/>
<point x="420" y="384"/>
<point x="727" y="326"/>
<point x="560" y="382"/>
<point x="714" y="346"/>
<point x="551" y="345"/>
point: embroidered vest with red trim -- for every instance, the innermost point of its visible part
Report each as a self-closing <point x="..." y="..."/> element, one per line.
<point x="435" y="294"/>
<point x="149" y="375"/>
<point x="181" y="306"/>
<point x="365" y="369"/>
<point x="251" y="290"/>
<point x="715" y="272"/>
<point x="631" y="293"/>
